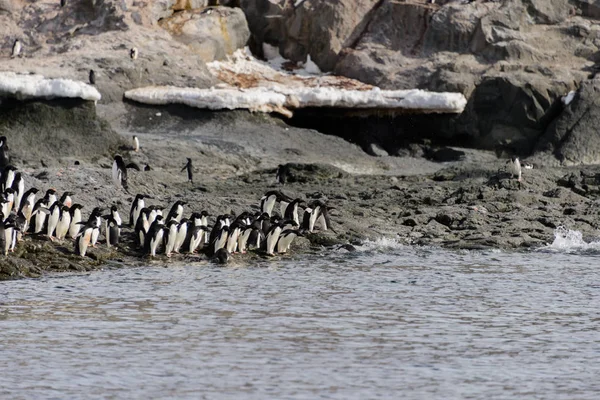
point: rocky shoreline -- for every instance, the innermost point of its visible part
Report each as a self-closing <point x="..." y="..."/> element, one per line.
<point x="471" y="203"/>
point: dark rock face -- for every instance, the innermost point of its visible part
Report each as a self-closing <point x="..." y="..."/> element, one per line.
<point x="573" y="138"/>
<point x="47" y="131"/>
<point x="513" y="59"/>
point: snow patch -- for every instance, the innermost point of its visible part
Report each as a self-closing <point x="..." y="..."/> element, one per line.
<point x="26" y="86"/>
<point x="281" y="86"/>
<point x="566" y="100"/>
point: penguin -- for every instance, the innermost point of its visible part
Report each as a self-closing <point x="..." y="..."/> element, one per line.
<point x="289" y="224"/>
<point x="220" y="223"/>
<point x="64" y="222"/>
<point x="256" y="238"/>
<point x="190" y="170"/>
<point x="515" y="168"/>
<point x="182" y="232"/>
<point x="282" y="173"/>
<point x="83" y="240"/>
<point x="154" y="212"/>
<point x="16" y="49"/>
<point x="291" y="211"/>
<point x="133" y="53"/>
<point x="53" y="218"/>
<point x="8" y="202"/>
<point x="141" y="227"/>
<point x="154" y="237"/>
<point x="38" y="215"/>
<point x="176" y="211"/>
<point x="267" y="202"/>
<point x="171" y="237"/>
<point x="272" y="237"/>
<point x="28" y="197"/>
<point x="136" y="207"/>
<point x="219" y="241"/>
<point x="18" y="186"/>
<point x="222" y="256"/>
<point x="285" y="239"/>
<point x="8" y="176"/>
<point x="317" y="212"/>
<point x="6" y="236"/>
<point x="18" y="222"/>
<point x="243" y="237"/>
<point x="75" y="226"/>
<point x="51" y="195"/>
<point x="66" y="200"/>
<point x="136" y="144"/>
<point x="92" y="77"/>
<point x="235" y="230"/>
<point x="119" y="171"/>
<point x="63" y="3"/>
<point x="194" y="239"/>
<point x="4" y="158"/>
<point x="112" y="231"/>
<point x="96" y="215"/>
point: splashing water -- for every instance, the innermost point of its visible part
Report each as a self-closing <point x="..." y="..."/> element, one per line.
<point x="570" y="240"/>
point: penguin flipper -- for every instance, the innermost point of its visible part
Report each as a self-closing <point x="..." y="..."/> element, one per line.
<point x="133" y="166"/>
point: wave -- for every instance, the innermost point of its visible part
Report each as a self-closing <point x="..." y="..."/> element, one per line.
<point x="567" y="240"/>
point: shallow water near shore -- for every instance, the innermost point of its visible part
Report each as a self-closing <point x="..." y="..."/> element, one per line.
<point x="386" y="321"/>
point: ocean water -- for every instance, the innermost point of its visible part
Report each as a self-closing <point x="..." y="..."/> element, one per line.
<point x="386" y="321"/>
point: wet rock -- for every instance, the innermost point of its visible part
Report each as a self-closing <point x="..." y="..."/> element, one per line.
<point x="444" y="154"/>
<point x="409" y="222"/>
<point x="375" y="150"/>
<point x="304" y="173"/>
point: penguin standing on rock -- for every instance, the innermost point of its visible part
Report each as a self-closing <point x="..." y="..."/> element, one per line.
<point x="515" y="168"/>
<point x="137" y="205"/>
<point x="16" y="49"/>
<point x="18" y="186"/>
<point x="176" y="211"/>
<point x="119" y="171"/>
<point x="112" y="231"/>
<point x="75" y="225"/>
<point x="83" y="240"/>
<point x="133" y="53"/>
<point x="64" y="222"/>
<point x="190" y="170"/>
<point x="154" y="237"/>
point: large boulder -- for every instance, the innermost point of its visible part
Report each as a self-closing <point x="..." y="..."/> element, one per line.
<point x="211" y="33"/>
<point x="573" y="138"/>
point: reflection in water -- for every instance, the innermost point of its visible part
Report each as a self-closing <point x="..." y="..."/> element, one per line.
<point x="423" y="323"/>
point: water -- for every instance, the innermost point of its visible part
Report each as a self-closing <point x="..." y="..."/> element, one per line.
<point x="385" y="322"/>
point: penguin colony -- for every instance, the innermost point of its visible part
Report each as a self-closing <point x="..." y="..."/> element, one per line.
<point x="59" y="218"/>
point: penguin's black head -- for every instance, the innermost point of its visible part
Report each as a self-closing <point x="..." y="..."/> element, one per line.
<point x="76" y="206"/>
<point x="2" y="141"/>
<point x="204" y="214"/>
<point x="184" y="221"/>
<point x="96" y="212"/>
<point x="222" y="256"/>
<point x="34" y="190"/>
<point x="10" y="168"/>
<point x="9" y="190"/>
<point x="113" y="208"/>
<point x="118" y="158"/>
<point x="64" y="209"/>
<point x="158" y="218"/>
<point x="50" y="191"/>
<point x="139" y="196"/>
<point x="172" y="222"/>
<point x="189" y="159"/>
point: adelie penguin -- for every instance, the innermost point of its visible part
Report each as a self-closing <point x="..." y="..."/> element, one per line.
<point x="112" y="231"/>
<point x="154" y="237"/>
<point x="16" y="49"/>
<point x="136" y="206"/>
<point x="8" y="176"/>
<point x="119" y="171"/>
<point x="190" y="170"/>
<point x="18" y="186"/>
<point x="176" y="211"/>
<point x="75" y="225"/>
<point x="171" y="238"/>
<point x="6" y="236"/>
<point x="133" y="53"/>
<point x="136" y="143"/>
<point x="83" y="240"/>
<point x="64" y="222"/>
<point x="4" y="158"/>
<point x="515" y="168"/>
<point x="92" y="77"/>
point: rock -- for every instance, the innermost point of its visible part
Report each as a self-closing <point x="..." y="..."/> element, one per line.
<point x="573" y="138"/>
<point x="375" y="150"/>
<point x="211" y="33"/>
<point x="445" y="154"/>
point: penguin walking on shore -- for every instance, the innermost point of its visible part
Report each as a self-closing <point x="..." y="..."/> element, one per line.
<point x="182" y="233"/>
<point x="136" y="206"/>
<point x="64" y="222"/>
<point x="142" y="225"/>
<point x="97" y="216"/>
<point x="272" y="237"/>
<point x="190" y="170"/>
<point x="83" y="240"/>
<point x="285" y="239"/>
<point x="154" y="237"/>
<point x="222" y="256"/>
<point x="92" y="77"/>
<point x="26" y="206"/>
<point x="316" y="213"/>
<point x="75" y="226"/>
<point x="176" y="211"/>
<point x="171" y="238"/>
<point x="4" y="157"/>
<point x="119" y="171"/>
<point x="515" y="168"/>
<point x="291" y="211"/>
<point x="194" y="239"/>
<point x="267" y="202"/>
<point x="8" y="200"/>
<point x="112" y="231"/>
<point x="16" y="49"/>
<point x="133" y="53"/>
<point x="18" y="186"/>
<point x="66" y="199"/>
<point x="8" y="176"/>
<point x="219" y="241"/>
<point x="6" y="236"/>
<point x="136" y="144"/>
<point x="53" y="217"/>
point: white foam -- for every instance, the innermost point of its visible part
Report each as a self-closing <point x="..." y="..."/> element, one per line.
<point x="566" y="240"/>
<point x="28" y="86"/>
<point x="381" y="244"/>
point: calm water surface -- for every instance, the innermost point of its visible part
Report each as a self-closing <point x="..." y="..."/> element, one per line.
<point x="391" y="322"/>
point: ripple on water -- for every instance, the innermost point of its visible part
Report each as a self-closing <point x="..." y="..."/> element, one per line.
<point x="382" y="321"/>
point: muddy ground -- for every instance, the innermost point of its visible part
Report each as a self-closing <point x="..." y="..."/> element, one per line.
<point x="471" y="203"/>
